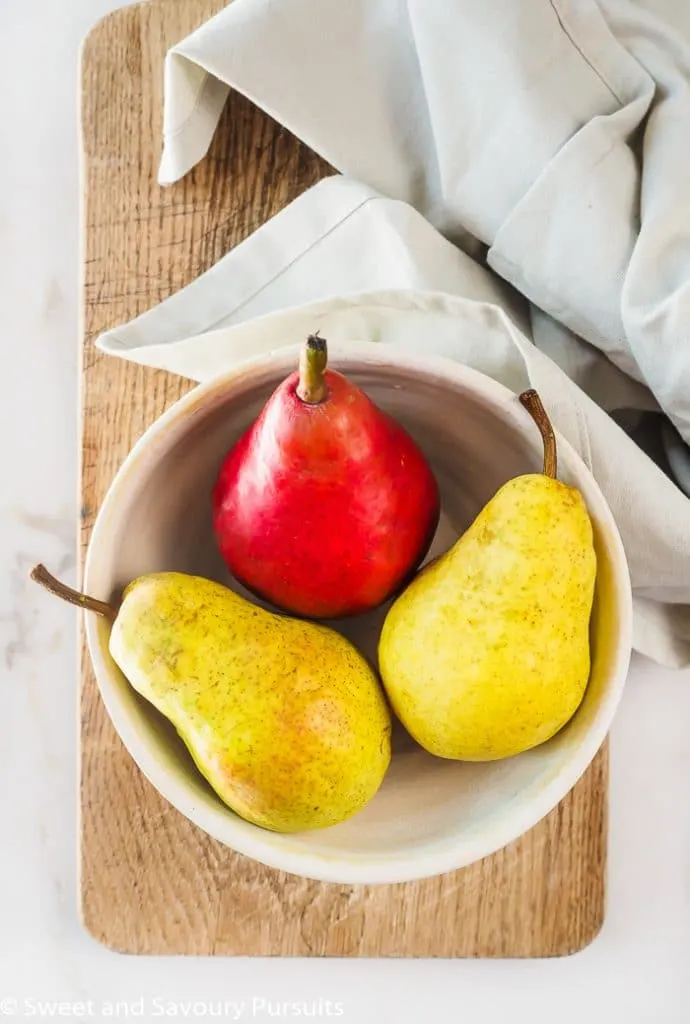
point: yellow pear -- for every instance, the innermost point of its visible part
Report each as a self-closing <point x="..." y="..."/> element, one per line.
<point x="486" y="653"/>
<point x="285" y="719"/>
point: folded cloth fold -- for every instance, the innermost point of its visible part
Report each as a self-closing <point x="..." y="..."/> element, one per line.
<point x="358" y="265"/>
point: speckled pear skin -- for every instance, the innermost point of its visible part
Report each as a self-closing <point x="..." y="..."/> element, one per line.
<point x="487" y="653"/>
<point x="284" y="718"/>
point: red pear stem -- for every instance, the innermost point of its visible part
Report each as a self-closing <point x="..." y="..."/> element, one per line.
<point x="313" y="359"/>
<point x="91" y="604"/>
<point x="532" y="402"/>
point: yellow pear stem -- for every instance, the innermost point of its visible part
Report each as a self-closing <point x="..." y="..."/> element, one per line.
<point x="313" y="359"/>
<point x="532" y="402"/>
<point x="91" y="604"/>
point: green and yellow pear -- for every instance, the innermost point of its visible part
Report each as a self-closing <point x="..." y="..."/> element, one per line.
<point x="285" y="718"/>
<point x="486" y="654"/>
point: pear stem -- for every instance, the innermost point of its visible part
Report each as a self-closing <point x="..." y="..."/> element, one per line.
<point x="39" y="574"/>
<point x="312" y="387"/>
<point x="532" y="402"/>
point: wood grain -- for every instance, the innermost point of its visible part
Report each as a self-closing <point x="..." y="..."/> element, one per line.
<point x="151" y="882"/>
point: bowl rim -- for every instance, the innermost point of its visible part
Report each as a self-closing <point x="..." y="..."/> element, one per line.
<point x="264" y="846"/>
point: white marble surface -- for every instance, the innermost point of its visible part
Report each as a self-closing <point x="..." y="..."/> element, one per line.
<point x="636" y="971"/>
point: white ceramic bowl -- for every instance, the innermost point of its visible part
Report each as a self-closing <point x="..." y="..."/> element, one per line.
<point x="430" y="816"/>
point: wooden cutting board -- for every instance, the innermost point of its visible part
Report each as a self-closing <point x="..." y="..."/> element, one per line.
<point x="150" y="881"/>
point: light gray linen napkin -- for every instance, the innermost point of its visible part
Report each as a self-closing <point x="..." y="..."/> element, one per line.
<point x="515" y="195"/>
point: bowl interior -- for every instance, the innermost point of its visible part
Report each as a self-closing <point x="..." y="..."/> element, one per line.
<point x="157" y="517"/>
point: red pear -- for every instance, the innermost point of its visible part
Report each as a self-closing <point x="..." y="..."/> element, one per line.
<point x="326" y="505"/>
